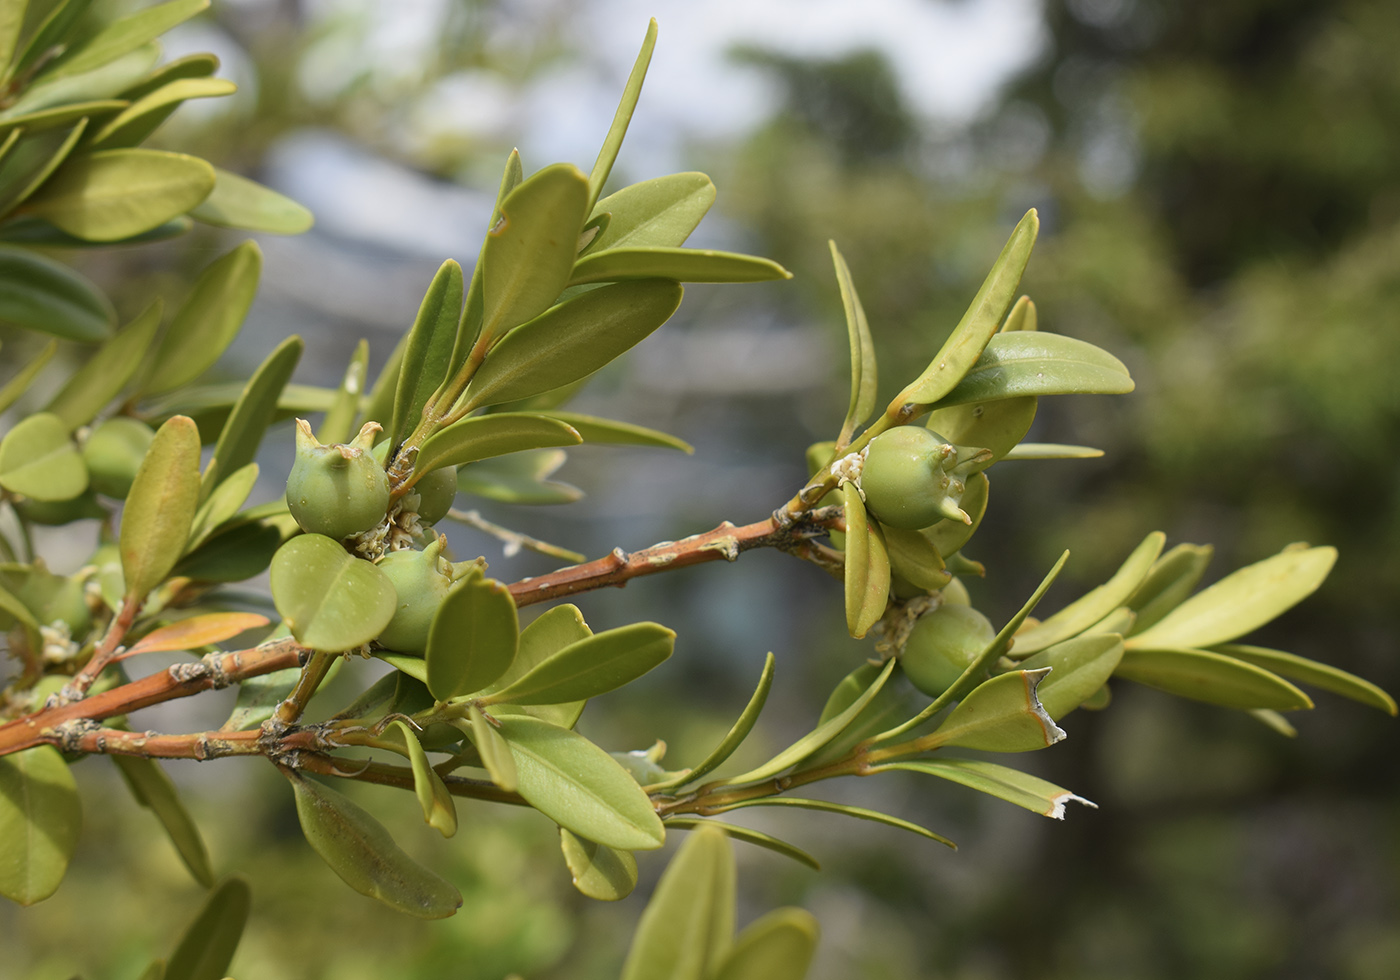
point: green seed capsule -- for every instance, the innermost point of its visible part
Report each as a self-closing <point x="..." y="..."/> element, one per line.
<point x="942" y="644"/>
<point x="912" y="477"/>
<point x="337" y="490"/>
<point x="113" y="453"/>
<point x="422" y="580"/>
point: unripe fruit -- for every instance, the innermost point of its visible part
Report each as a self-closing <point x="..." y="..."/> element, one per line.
<point x="913" y="477"/>
<point x="113" y="453"/>
<point x="337" y="490"/>
<point x="942" y="644"/>
<point x="436" y="492"/>
<point x="422" y="580"/>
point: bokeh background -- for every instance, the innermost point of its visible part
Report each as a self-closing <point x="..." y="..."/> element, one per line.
<point x="1219" y="186"/>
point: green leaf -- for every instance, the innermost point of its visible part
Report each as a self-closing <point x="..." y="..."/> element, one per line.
<point x="125" y="35"/>
<point x="860" y="813"/>
<point x="338" y="425"/>
<point x="113" y="194"/>
<point x="661" y="211"/>
<point x="237" y="202"/>
<point x="141" y="118"/>
<point x="613" y="141"/>
<point x="736" y="734"/>
<point x="1035" y="363"/>
<point x="612" y="432"/>
<point x="492" y="435"/>
<point x="239" y="552"/>
<point x="1087" y="610"/>
<point x="688" y="925"/>
<point x="1321" y="675"/>
<point x="429" y="349"/>
<point x="572" y="340"/>
<point x="473" y="638"/>
<point x="748" y="835"/>
<point x="160" y="507"/>
<point x="494" y="752"/>
<point x="329" y="599"/>
<point x="1210" y="677"/>
<point x="529" y="252"/>
<point x="550" y="632"/>
<point x="25" y="376"/>
<point x="208" y="944"/>
<point x="360" y="850"/>
<point x="1001" y="715"/>
<point x="680" y="264"/>
<point x="56" y="24"/>
<point x="39" y="822"/>
<point x="222" y="503"/>
<point x="589" y="667"/>
<point x="1171" y="580"/>
<point x="778" y="946"/>
<point x="1081" y="667"/>
<point x="579" y="786"/>
<point x="38" y="233"/>
<point x="996" y="426"/>
<point x="867" y="566"/>
<point x="1050" y="450"/>
<point x="11" y="24"/>
<point x="439" y="812"/>
<point x="1012" y="785"/>
<point x="1242" y="601"/>
<point x="1021" y="317"/>
<point x="154" y="790"/>
<point x="255" y="410"/>
<point x="39" y="460"/>
<point x="199" y="65"/>
<point x="208" y="320"/>
<point x="863" y="368"/>
<point x="914" y="558"/>
<point x="90" y="388"/>
<point x="599" y="871"/>
<point x="31" y="161"/>
<point x="38" y="293"/>
<point x="896" y="701"/>
<point x="102" y="83"/>
<point x="965" y="344"/>
<point x="520" y="478"/>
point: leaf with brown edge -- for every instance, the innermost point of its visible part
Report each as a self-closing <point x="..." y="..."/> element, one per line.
<point x="160" y="507"/>
<point x="198" y="631"/>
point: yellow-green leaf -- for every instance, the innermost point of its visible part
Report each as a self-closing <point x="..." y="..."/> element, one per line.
<point x="139" y="119"/>
<point x="160" y="507"/>
<point x="1001" y="715"/>
<point x="680" y="264"/>
<point x="439" y="811"/>
<point x="330" y="599"/>
<point x="208" y="320"/>
<point x="688" y="925"/>
<point x="660" y="211"/>
<point x="114" y="194"/>
<point x="778" y="946"/>
<point x="473" y="638"/>
<point x="90" y="388"/>
<point x="486" y="436"/>
<point x="600" y="872"/>
<point x="867" y="566"/>
<point x="38" y="293"/>
<point x="208" y="945"/>
<point x="1312" y="672"/>
<point x="1210" y="677"/>
<point x="39" y="822"/>
<point x="237" y="202"/>
<point x="39" y="460"/>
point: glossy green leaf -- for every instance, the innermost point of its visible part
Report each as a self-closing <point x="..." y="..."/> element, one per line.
<point x="950" y="536"/>
<point x="141" y="118"/>
<point x="63" y="115"/>
<point x="24" y="377"/>
<point x="1051" y="450"/>
<point x="896" y="701"/>
<point x="255" y="410"/>
<point x="1001" y="715"/>
<point x="222" y="503"/>
<point x="1242" y="601"/>
<point x="589" y="667"/>
<point x="39" y="460"/>
<point x="494" y="752"/>
<point x="439" y="812"/>
<point x="93" y="386"/>
<point x="238" y="552"/>
<point x="1306" y="671"/>
<point x="485" y="436"/>
<point x="237" y="202"/>
<point x="1081" y="665"/>
<point x="125" y="35"/>
<point x="520" y="478"/>
<point x="154" y="790"/>
<point x="965" y="344"/>
<point x="208" y="944"/>
<point x="736" y="734"/>
<point x="600" y="872"/>
<point x="32" y="160"/>
<point x="867" y="566"/>
<point x="1021" y="317"/>
<point x="995" y="426"/>
<point x="572" y="340"/>
<point x="749" y="836"/>
<point x="549" y="633"/>
<point x="661" y="211"/>
<point x="680" y="264"/>
<point x="860" y="813"/>
<point x="40" y="818"/>
<point x="1210" y="677"/>
<point x="360" y="850"/>
<point x="473" y="638"/>
<point x="1171" y="580"/>
<point x="338" y="425"/>
<point x="777" y="946"/>
<point x="38" y="293"/>
<point x="429" y="349"/>
<point x="579" y="786"/>
<point x="1094" y="605"/>
<point x="329" y="599"/>
<point x="1023" y="789"/>
<point x="612" y="432"/>
<point x="113" y="194"/>
<point x="863" y="367"/>
<point x="208" y="320"/>
<point x="914" y="558"/>
<point x="688" y="925"/>
<point x="1035" y="363"/>
<point x="618" y="130"/>
<point x="160" y="507"/>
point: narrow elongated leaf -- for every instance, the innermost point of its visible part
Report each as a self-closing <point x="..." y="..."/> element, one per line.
<point x="1051" y="450"/>
<point x="473" y="638"/>
<point x="1021" y="317"/>
<point x="199" y="65"/>
<point x="662" y="211"/>
<point x="860" y="813"/>
<point x="599" y="871"/>
<point x="520" y="478"/>
<point x="494" y="752"/>
<point x="749" y="836"/>
<point x="113" y="194"/>
<point x="1312" y="672"/>
<point x="338" y="425"/>
<point x="618" y="130"/>
<point x="1242" y="601"/>
<point x="896" y="701"/>
<point x="736" y="734"/>
<point x="612" y="432"/>
<point x="24" y="377"/>
<point x="64" y="115"/>
<point x="237" y="202"/>
<point x="429" y="349"/>
<point x="222" y="503"/>
<point x="587" y="668"/>
<point x="778" y="946"/>
<point x="38" y="293"/>
<point x="208" y="320"/>
<point x="492" y="435"/>
<point x="40" y="817"/>
<point x="32" y="160"/>
<point x="863" y="369"/>
<point x="1036" y="363"/>
<point x="439" y="812"/>
<point x="55" y="25"/>
<point x="1081" y="666"/>
<point x="1001" y="715"/>
<point x="39" y="460"/>
<point x="141" y="118"/>
<point x="579" y="786"/>
<point x="550" y="632"/>
<point x="197" y="631"/>
<point x="965" y="344"/>
<point x="329" y="599"/>
<point x="688" y="925"/>
<point x="867" y="566"/>
<point x="1023" y="789"/>
<point x="208" y="945"/>
<point x="90" y="388"/>
<point x="360" y="850"/>
<point x="154" y="790"/>
<point x="255" y="410"/>
<point x="127" y="34"/>
<point x="1210" y="677"/>
<point x="1096" y="604"/>
<point x="572" y="340"/>
<point x="996" y="426"/>
<point x="160" y="507"/>
<point x="680" y="264"/>
<point x="1171" y="580"/>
